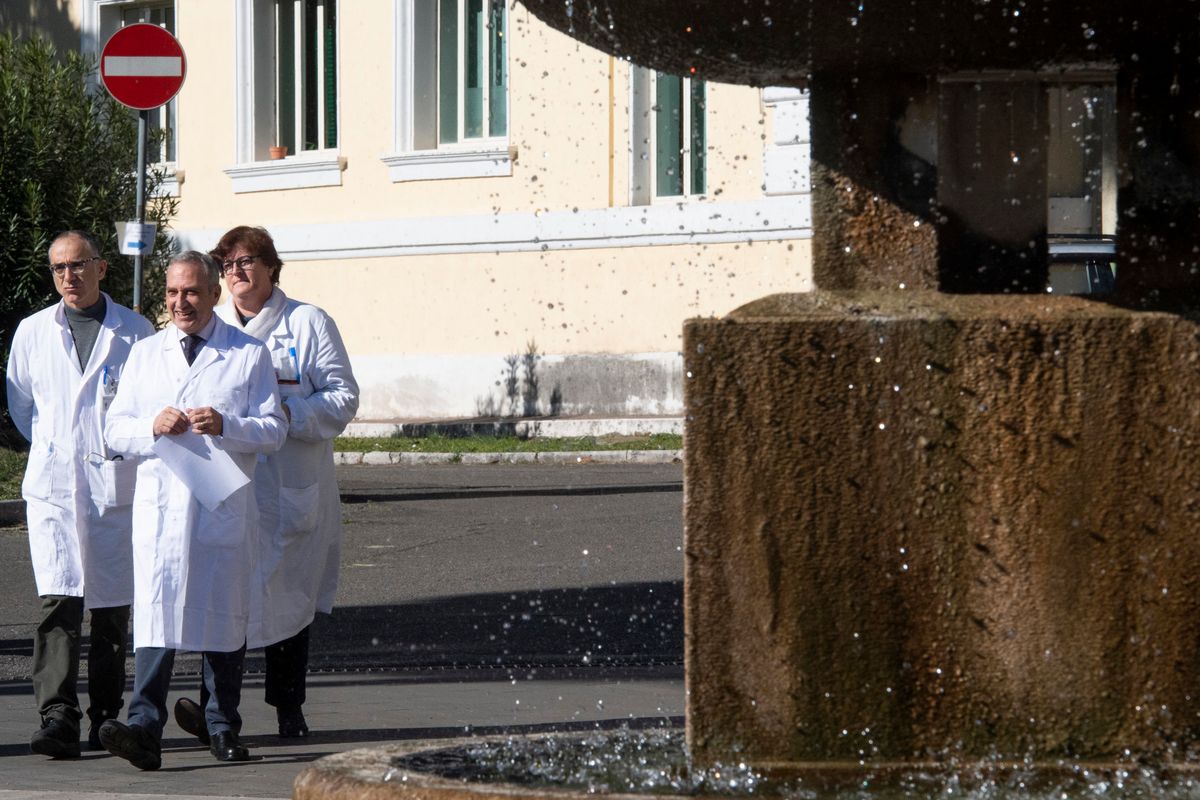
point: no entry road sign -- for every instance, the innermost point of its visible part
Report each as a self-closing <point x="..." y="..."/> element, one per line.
<point x="142" y="66"/>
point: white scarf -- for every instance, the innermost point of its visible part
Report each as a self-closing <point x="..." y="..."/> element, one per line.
<point x="261" y="324"/>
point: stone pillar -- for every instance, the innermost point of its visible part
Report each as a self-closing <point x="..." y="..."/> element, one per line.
<point x="922" y="525"/>
<point x="874" y="194"/>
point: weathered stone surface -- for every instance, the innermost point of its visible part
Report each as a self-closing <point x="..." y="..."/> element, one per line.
<point x="920" y="524"/>
<point x="367" y="774"/>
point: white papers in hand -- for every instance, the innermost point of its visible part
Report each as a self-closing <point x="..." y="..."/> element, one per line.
<point x="209" y="472"/>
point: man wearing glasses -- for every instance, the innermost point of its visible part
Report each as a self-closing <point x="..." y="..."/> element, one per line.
<point x="63" y="370"/>
<point x="198" y="408"/>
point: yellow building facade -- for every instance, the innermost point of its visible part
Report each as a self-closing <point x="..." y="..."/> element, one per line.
<point x="464" y="186"/>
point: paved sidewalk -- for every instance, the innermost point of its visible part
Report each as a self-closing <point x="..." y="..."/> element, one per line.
<point x="345" y="712"/>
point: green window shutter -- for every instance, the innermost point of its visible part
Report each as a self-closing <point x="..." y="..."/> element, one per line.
<point x="285" y="113"/>
<point x="497" y="72"/>
<point x="474" y="61"/>
<point x="698" y="142"/>
<point x="448" y="71"/>
<point x="329" y="49"/>
<point x="668" y="136"/>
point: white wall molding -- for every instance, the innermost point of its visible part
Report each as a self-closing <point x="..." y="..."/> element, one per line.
<point x="768" y="219"/>
<point x="444" y="164"/>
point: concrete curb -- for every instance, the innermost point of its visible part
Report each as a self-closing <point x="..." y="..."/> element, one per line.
<point x="379" y="457"/>
<point x="547" y="427"/>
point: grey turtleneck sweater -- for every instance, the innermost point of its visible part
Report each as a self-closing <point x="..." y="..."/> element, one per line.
<point x="85" y="327"/>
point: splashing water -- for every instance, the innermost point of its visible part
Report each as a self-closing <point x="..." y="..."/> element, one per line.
<point x="656" y="761"/>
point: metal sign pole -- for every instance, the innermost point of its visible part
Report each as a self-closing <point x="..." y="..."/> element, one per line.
<point x="141" y="207"/>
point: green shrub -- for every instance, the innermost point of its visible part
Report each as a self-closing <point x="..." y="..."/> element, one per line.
<point x="68" y="159"/>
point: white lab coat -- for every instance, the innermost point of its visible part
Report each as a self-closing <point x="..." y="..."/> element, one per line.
<point x="300" y="514"/>
<point x="77" y="500"/>
<point x="193" y="567"/>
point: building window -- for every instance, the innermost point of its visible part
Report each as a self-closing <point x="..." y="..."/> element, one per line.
<point x="306" y="74"/>
<point x="1027" y="173"/>
<point x="669" y="136"/>
<point x="286" y="95"/>
<point x="463" y="78"/>
<point x="451" y="90"/>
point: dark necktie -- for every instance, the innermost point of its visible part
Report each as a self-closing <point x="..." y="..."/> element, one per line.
<point x="191" y="343"/>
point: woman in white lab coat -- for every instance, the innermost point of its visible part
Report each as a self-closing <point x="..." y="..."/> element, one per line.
<point x="300" y="516"/>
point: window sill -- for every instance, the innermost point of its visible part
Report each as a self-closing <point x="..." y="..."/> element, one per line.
<point x="297" y="172"/>
<point x="431" y="165"/>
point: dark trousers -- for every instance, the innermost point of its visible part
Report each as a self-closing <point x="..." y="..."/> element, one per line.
<point x="287" y="671"/>
<point x="221" y="687"/>
<point x="56" y="659"/>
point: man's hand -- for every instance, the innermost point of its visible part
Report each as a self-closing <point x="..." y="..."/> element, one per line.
<point x="169" y="422"/>
<point x="205" y="420"/>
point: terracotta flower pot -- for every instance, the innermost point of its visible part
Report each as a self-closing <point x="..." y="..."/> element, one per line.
<point x="278" y="151"/>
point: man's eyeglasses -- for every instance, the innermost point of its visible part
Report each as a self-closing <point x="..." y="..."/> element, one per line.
<point x="244" y="263"/>
<point x="76" y="267"/>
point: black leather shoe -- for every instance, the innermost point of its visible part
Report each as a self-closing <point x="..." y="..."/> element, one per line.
<point x="132" y="743"/>
<point x="291" y="723"/>
<point x="226" y="746"/>
<point x="190" y="717"/>
<point x="94" y="732"/>
<point x="57" y="739"/>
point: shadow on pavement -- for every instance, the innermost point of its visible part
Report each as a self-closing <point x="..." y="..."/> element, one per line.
<point x="614" y="627"/>
<point x="626" y="625"/>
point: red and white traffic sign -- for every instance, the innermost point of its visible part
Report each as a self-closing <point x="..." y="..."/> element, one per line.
<point x="142" y="66"/>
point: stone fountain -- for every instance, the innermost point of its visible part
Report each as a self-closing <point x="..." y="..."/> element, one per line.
<point x="933" y="513"/>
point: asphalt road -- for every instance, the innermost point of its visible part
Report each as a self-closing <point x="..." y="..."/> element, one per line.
<point x="474" y="600"/>
<point x="475" y="568"/>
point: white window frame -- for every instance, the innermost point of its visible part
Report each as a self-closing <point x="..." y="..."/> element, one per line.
<point x="254" y="111"/>
<point x="414" y="115"/>
<point x="99" y="20"/>
<point x="643" y="162"/>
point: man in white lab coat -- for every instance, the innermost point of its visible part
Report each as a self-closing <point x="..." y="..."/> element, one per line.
<point x="197" y="406"/>
<point x="63" y="370"/>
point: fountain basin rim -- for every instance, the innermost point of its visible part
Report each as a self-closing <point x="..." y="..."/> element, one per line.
<point x="359" y="774"/>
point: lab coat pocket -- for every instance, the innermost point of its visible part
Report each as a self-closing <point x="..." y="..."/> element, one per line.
<point x="120" y="477"/>
<point x="298" y="509"/>
<point x="46" y="476"/>
<point x="228" y="402"/>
